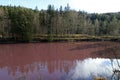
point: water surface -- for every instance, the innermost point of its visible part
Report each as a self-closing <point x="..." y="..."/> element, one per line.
<point x="56" y="61"/>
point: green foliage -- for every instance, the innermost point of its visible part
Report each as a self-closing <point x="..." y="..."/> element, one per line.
<point x="50" y="13"/>
<point x="22" y="23"/>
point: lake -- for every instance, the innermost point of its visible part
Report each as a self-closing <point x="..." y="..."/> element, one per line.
<point x="58" y="61"/>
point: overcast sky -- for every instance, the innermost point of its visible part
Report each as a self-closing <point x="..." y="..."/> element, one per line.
<point x="91" y="6"/>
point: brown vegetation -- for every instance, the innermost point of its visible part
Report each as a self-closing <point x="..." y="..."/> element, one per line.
<point x="99" y="78"/>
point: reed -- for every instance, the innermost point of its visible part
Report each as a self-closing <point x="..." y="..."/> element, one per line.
<point x="100" y="78"/>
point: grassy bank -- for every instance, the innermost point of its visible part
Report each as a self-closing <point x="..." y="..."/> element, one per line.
<point x="76" y="37"/>
<point x="58" y="38"/>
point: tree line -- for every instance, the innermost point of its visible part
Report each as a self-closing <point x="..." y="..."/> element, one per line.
<point x="23" y="23"/>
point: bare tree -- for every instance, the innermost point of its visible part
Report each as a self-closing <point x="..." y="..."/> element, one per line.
<point x="115" y="68"/>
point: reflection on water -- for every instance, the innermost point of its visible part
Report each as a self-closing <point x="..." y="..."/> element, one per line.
<point x="56" y="61"/>
<point x="60" y="70"/>
<point x="90" y="68"/>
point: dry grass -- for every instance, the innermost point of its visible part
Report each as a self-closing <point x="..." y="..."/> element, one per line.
<point x="99" y="78"/>
<point x="75" y="37"/>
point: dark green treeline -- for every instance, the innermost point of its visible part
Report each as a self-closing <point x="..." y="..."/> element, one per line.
<point x="23" y="23"/>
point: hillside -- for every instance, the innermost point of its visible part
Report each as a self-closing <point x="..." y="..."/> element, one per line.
<point x="23" y="24"/>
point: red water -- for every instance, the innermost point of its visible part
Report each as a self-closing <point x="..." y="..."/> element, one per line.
<point x="45" y="61"/>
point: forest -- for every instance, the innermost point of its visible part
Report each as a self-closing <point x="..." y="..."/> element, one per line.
<point x="24" y="24"/>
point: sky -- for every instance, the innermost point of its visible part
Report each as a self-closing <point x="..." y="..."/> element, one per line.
<point x="90" y="6"/>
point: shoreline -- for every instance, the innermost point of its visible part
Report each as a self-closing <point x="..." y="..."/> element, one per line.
<point x="39" y="40"/>
<point x="59" y="38"/>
